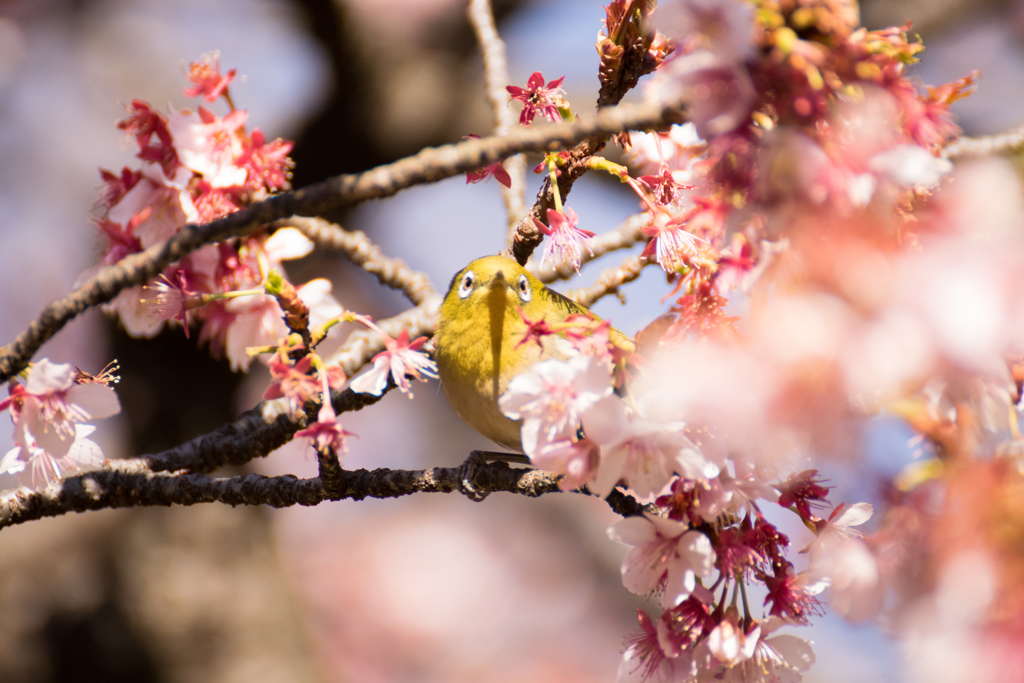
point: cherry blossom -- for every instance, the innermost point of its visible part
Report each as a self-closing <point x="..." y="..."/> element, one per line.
<point x="209" y="145"/>
<point x="401" y="359"/>
<point x="497" y="170"/>
<point x="294" y="383"/>
<point x="172" y="300"/>
<point x="565" y="240"/>
<point x="207" y="78"/>
<point x="672" y="245"/>
<point x="677" y="149"/>
<point x="551" y="398"/>
<point x="646" y="454"/>
<point x="720" y="91"/>
<point x="538" y="98"/>
<point x="46" y="408"/>
<point x="645" y="659"/>
<point x="575" y="459"/>
<point x="326" y="434"/>
<point x="775" y="658"/>
<point x="803" y="492"/>
<point x="730" y="644"/>
<point x="665" y="554"/>
<point x="725" y="27"/>
<point x="35" y="466"/>
<point x="267" y="164"/>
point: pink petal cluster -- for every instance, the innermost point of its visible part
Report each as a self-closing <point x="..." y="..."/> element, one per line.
<point x="400" y="361"/>
<point x="538" y="98"/>
<point x="565" y="240"/>
<point x="49" y="411"/>
<point x="198" y="166"/>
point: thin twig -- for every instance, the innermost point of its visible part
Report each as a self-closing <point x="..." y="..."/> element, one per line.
<point x="362" y="345"/>
<point x="496" y="77"/>
<point x="358" y="248"/>
<point x="630" y="64"/>
<point x="609" y="281"/>
<point x="126" y="483"/>
<point x="429" y="165"/>
<point x="254" y="434"/>
<point x="1010" y="141"/>
<point x="623" y="237"/>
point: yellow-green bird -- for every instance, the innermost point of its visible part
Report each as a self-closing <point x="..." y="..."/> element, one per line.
<point x="478" y="340"/>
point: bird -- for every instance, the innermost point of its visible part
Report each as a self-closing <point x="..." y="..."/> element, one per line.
<point x="479" y="338"/>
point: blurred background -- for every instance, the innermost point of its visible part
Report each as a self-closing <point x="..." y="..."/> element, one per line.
<point x="426" y="588"/>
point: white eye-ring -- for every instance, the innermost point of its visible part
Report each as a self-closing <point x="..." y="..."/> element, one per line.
<point x="466" y="284"/>
<point x="523" y="287"/>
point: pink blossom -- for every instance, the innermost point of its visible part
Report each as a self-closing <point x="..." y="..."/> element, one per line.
<point x="400" y="359"/>
<point x="207" y="78"/>
<point x="326" y="433"/>
<point x="294" y="383"/>
<point x="725" y="27"/>
<point x="551" y="397"/>
<point x="840" y="559"/>
<point x="157" y="208"/>
<point x="575" y="459"/>
<point x="268" y="166"/>
<point x="565" y="241"/>
<point x="666" y="187"/>
<point x="734" y="555"/>
<point x="122" y="239"/>
<point x="646" y="454"/>
<point x="538" y="98"/>
<point x="774" y="659"/>
<point x="215" y="202"/>
<point x="802" y="492"/>
<point x="790" y="596"/>
<point x="34" y="466"/>
<point x="50" y="403"/>
<point x="134" y="312"/>
<point x="676" y="149"/>
<point x="144" y="124"/>
<point x="719" y="91"/>
<point x="116" y="186"/>
<point x="645" y="660"/>
<point x="665" y="553"/>
<point x="672" y="245"/>
<point x="730" y="644"/>
<point x="172" y="299"/>
<point x="209" y="145"/>
<point x="497" y="169"/>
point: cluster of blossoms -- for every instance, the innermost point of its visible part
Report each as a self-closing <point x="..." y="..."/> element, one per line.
<point x="809" y="184"/>
<point x="710" y="538"/>
<point x="50" y="408"/>
<point x="197" y="167"/>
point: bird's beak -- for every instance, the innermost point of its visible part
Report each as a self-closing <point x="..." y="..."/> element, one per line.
<point x="498" y="281"/>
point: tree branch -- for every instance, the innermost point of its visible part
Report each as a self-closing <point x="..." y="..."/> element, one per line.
<point x="362" y="345"/>
<point x="496" y="77"/>
<point x="255" y="434"/>
<point x="128" y="483"/>
<point x="1010" y="141"/>
<point x="429" y="165"/>
<point x="609" y="281"/>
<point x="358" y="248"/>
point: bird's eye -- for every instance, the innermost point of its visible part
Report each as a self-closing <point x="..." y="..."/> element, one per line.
<point x="523" y="285"/>
<point x="466" y="285"/>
